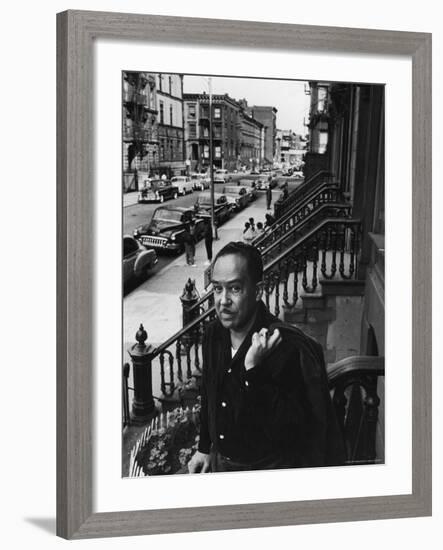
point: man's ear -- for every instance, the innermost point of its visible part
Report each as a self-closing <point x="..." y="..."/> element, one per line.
<point x="259" y="291"/>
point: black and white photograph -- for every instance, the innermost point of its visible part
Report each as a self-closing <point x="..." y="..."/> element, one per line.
<point x="253" y="274"/>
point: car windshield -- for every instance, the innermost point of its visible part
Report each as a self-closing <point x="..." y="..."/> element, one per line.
<point x="233" y="190"/>
<point x="165" y="215"/>
<point x="205" y="198"/>
<point x="178" y="178"/>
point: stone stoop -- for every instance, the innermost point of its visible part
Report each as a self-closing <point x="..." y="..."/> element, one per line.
<point x="332" y="316"/>
<point x="312" y="317"/>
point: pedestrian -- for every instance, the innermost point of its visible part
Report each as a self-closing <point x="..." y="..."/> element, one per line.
<point x="265" y="402"/>
<point x="269" y="220"/>
<point x="260" y="229"/>
<point x="268" y="197"/>
<point x="189" y="242"/>
<point x="252" y="223"/>
<point x="285" y="191"/>
<point x="208" y="240"/>
<point x="248" y="233"/>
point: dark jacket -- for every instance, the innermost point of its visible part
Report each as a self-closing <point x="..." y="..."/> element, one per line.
<point x="278" y="413"/>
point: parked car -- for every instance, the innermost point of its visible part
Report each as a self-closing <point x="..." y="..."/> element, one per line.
<point x="137" y="260"/>
<point x="237" y="196"/>
<point x="158" y="191"/>
<point x="263" y="182"/>
<point x="221" y="176"/>
<point x="183" y="183"/>
<point x="222" y="210"/>
<point x="250" y="187"/>
<point x="165" y="230"/>
<point x="200" y="182"/>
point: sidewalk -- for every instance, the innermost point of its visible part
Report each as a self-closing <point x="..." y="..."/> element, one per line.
<point x="130" y="198"/>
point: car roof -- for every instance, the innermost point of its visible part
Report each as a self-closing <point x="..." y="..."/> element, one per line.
<point x="174" y="208"/>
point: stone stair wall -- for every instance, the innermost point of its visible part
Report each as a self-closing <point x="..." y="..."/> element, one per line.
<point x="332" y="316"/>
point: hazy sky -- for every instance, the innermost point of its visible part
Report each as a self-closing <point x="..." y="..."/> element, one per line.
<point x="288" y="96"/>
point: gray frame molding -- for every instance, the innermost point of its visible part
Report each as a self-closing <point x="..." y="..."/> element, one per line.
<point x="76" y="31"/>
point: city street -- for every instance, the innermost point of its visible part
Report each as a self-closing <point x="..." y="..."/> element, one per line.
<point x="135" y="214"/>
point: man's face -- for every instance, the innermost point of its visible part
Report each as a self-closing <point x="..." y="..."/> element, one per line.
<point x="235" y="294"/>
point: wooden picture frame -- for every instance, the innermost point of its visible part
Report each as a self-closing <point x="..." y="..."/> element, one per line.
<point x="76" y="32"/>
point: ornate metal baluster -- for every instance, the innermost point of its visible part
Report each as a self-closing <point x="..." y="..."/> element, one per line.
<point x="295" y="291"/>
<point x="277" y="294"/>
<point x="171" y="374"/>
<point x="372" y="402"/>
<point x="267" y="291"/>
<point x="285" y="281"/>
<point x="314" y="269"/>
<point x="339" y="400"/>
<point x="334" y="238"/>
<point x="197" y="358"/>
<point x="162" y="374"/>
<point x="179" y="360"/>
<point x="188" y="361"/>
<point x="304" y="280"/>
<point x="342" y="254"/>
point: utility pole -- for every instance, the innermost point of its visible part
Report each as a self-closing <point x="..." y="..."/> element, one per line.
<point x="211" y="161"/>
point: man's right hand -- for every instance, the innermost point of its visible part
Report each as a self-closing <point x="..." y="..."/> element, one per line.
<point x="199" y="463"/>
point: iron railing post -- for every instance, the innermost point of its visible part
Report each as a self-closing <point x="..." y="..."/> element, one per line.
<point x="141" y="355"/>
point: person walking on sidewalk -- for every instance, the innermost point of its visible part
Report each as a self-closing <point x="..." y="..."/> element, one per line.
<point x="268" y="198"/>
<point x="189" y="242"/>
<point x="208" y="240"/>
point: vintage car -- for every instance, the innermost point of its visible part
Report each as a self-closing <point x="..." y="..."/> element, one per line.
<point x="165" y="230"/>
<point x="222" y="210"/>
<point x="183" y="183"/>
<point x="263" y="182"/>
<point x="237" y="196"/>
<point x="250" y="187"/>
<point x="158" y="191"/>
<point x="200" y="182"/>
<point x="221" y="176"/>
<point x="137" y="260"/>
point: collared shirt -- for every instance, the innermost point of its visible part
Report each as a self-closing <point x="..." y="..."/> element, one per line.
<point x="256" y="416"/>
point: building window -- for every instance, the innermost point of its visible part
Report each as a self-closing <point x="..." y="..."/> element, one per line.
<point x="162" y="112"/>
<point x="170" y="85"/>
<point x="323" y="142"/>
<point x="217" y="152"/>
<point x="191" y="111"/>
<point x="206" y="151"/>
<point x="192" y="130"/>
<point x="162" y="149"/>
<point x="322" y="97"/>
<point x="205" y="111"/>
<point x="217" y="112"/>
<point x="160" y="82"/>
<point x="171" y="117"/>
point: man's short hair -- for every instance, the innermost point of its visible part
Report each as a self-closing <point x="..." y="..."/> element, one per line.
<point x="251" y="255"/>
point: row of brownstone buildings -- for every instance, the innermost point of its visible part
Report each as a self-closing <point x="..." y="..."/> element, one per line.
<point x="166" y="131"/>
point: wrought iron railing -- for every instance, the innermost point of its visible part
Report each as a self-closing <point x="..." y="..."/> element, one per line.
<point x="333" y="243"/>
<point x="353" y="382"/>
<point x="305" y="223"/>
<point x="282" y="206"/>
<point x="326" y="193"/>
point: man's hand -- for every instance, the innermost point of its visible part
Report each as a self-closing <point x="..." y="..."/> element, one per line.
<point x="199" y="463"/>
<point x="262" y="345"/>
